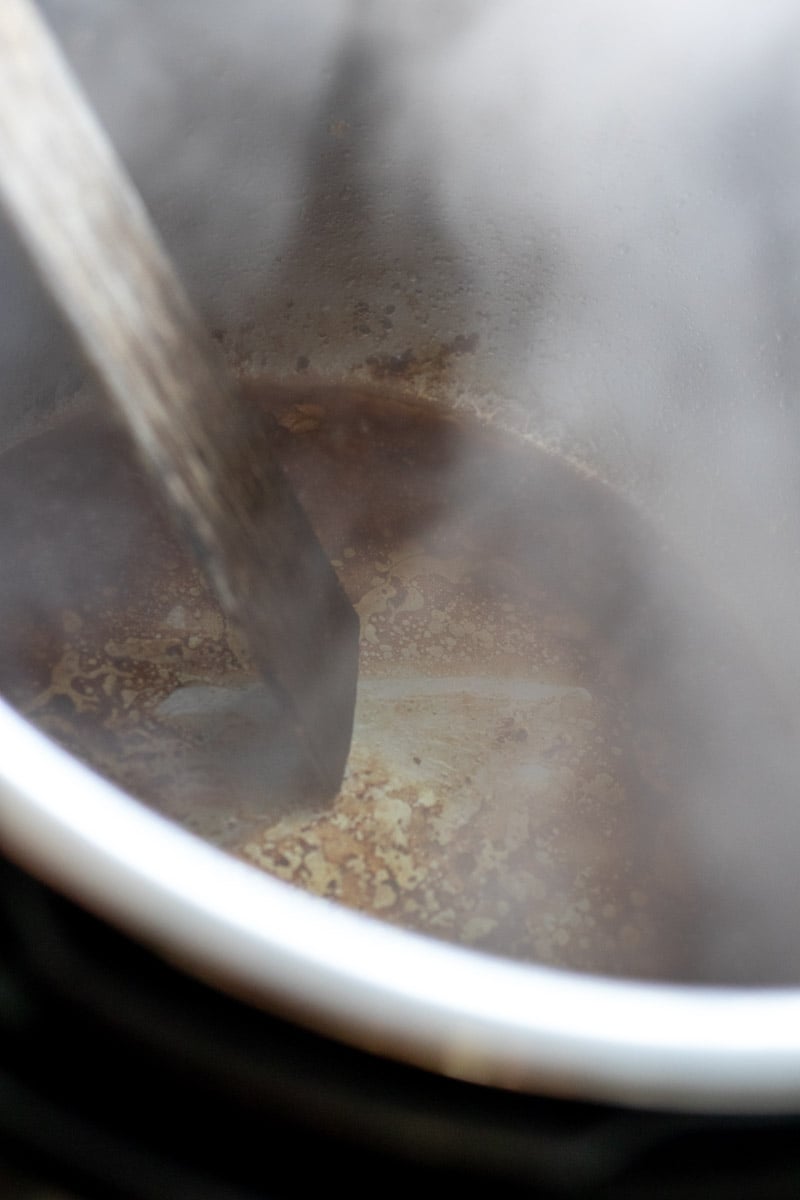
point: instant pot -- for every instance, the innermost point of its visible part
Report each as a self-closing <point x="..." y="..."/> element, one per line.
<point x="571" y="232"/>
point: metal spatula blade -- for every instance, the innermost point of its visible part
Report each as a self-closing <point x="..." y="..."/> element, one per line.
<point x="87" y="231"/>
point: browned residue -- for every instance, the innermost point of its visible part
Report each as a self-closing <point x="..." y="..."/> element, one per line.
<point x="497" y="769"/>
<point x="432" y="365"/>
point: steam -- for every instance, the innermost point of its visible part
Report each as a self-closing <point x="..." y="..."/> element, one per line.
<point x="608" y="194"/>
<point x="642" y="164"/>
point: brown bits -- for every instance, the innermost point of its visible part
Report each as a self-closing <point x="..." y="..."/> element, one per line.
<point x="302" y="418"/>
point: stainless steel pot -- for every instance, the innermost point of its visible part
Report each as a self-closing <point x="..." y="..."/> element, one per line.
<point x="582" y="227"/>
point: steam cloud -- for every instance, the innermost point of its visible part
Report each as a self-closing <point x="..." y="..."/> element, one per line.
<point x="642" y="162"/>
<point x="608" y="193"/>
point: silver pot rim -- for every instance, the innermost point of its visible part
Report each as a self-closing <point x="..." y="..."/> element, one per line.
<point x="445" y="1008"/>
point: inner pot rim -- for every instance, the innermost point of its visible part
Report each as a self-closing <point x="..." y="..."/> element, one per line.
<point x="438" y="1006"/>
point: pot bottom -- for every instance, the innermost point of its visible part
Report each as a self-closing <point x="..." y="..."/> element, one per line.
<point x="538" y="710"/>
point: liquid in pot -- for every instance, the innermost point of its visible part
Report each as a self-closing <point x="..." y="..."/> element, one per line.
<point x="536" y="681"/>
